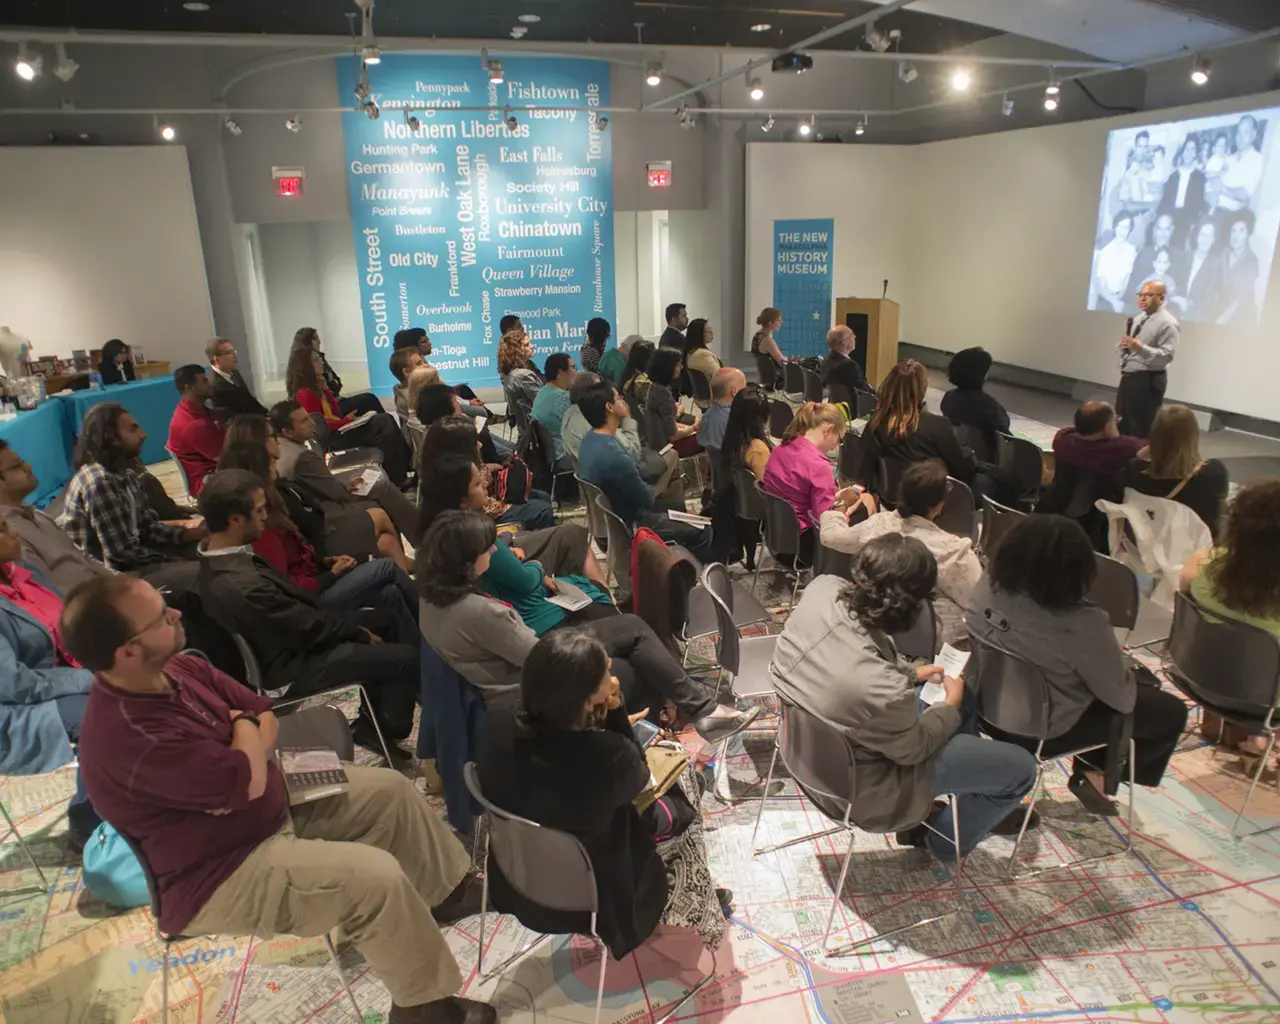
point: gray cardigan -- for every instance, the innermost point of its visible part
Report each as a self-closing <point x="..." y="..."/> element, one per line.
<point x="1075" y="648"/>
<point x="826" y="663"/>
<point x="483" y="640"/>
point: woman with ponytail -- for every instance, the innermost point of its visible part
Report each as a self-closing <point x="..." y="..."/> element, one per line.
<point x="769" y="357"/>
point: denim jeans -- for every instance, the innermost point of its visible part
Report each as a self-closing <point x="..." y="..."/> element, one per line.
<point x="81" y="816"/>
<point x="988" y="778"/>
<point x="534" y="514"/>
<point x="381" y="584"/>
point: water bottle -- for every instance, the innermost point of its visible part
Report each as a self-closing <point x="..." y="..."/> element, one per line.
<point x="95" y="381"/>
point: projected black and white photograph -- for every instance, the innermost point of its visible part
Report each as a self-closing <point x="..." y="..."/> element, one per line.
<point x="1195" y="205"/>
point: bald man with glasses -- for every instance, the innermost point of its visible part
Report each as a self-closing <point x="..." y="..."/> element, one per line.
<point x="1145" y="355"/>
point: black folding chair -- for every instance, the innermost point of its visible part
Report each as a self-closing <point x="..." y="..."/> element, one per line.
<point x="793" y="381"/>
<point x="959" y="514"/>
<point x="1024" y="464"/>
<point x="780" y="416"/>
<point x="811" y="385"/>
<point x="997" y="520"/>
<point x="782" y="538"/>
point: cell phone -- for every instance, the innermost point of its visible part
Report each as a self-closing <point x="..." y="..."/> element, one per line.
<point x="666" y="449"/>
<point x="645" y="732"/>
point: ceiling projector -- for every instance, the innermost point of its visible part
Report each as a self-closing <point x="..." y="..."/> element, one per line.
<point x="794" y="62"/>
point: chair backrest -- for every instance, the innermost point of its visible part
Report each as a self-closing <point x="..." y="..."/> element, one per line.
<point x="920" y="639"/>
<point x="153" y="887"/>
<point x="701" y="386"/>
<point x="713" y="460"/>
<point x="518" y="408"/>
<point x="666" y="576"/>
<point x="323" y="726"/>
<point x="976" y="439"/>
<point x="1115" y="591"/>
<point x="541" y="449"/>
<point x="1224" y="662"/>
<point x="959" y="513"/>
<point x="837" y="393"/>
<point x="781" y="530"/>
<point x="1022" y="460"/>
<point x="817" y="754"/>
<point x="619" y="542"/>
<point x="866" y="404"/>
<point x="715" y="578"/>
<point x="812" y="385"/>
<point x="182" y="470"/>
<point x="1013" y="694"/>
<point x="549" y="867"/>
<point x="851" y="452"/>
<point x="767" y="370"/>
<point x="252" y="669"/>
<point x="793" y="378"/>
<point x="780" y="416"/>
<point x="997" y="520"/>
<point x="1084" y="495"/>
<point x="889" y="478"/>
<point x="748" y="499"/>
<point x="596" y="521"/>
<point x="322" y="430"/>
<point x="829" y="562"/>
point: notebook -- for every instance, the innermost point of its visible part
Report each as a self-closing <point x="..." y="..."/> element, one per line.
<point x="359" y="421"/>
<point x="311" y="773"/>
<point x="570" y="598"/>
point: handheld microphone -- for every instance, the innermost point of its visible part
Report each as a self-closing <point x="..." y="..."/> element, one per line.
<point x="886" y="288"/>
<point x="1128" y="327"/>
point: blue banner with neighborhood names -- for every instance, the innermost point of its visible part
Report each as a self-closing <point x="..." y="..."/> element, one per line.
<point x="465" y="218"/>
<point x="802" y="256"/>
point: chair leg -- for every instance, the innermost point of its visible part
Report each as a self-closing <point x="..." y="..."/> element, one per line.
<point x="13" y="831"/>
<point x="382" y="740"/>
<point x="342" y="977"/>
<point x="604" y="962"/>
<point x="765" y="795"/>
<point x="1026" y="819"/>
<point x="164" y="984"/>
<point x="835" y="897"/>
<point x="484" y="907"/>
<point x="670" y="1014"/>
<point x="1253" y="784"/>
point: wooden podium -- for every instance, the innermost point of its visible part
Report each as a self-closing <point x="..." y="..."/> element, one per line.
<point x="874" y="323"/>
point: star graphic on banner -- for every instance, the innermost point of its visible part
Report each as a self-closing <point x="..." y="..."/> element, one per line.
<point x="817" y="314"/>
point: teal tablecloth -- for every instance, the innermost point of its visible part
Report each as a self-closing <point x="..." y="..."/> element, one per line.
<point x="39" y="437"/>
<point x="150" y="401"/>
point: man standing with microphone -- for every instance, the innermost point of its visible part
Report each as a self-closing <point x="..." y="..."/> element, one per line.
<point x="1146" y="351"/>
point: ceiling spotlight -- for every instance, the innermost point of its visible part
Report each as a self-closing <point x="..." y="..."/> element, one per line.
<point x="907" y="71"/>
<point x="861" y="128"/>
<point x="686" y="118"/>
<point x="653" y="73"/>
<point x="1200" y="69"/>
<point x="768" y="125"/>
<point x="232" y="126"/>
<point x="530" y="19"/>
<point x="876" y="39"/>
<point x="512" y="123"/>
<point x="195" y="5"/>
<point x="754" y="89"/>
<point x="764" y="26"/>
<point x="806" y="127"/>
<point x="519" y="31"/>
<point x="66" y="68"/>
<point x="961" y="79"/>
<point x="294" y="124"/>
<point x="1050" y="102"/>
<point x="601" y="122"/>
<point x="371" y="110"/>
<point x="371" y="55"/>
<point x="362" y="90"/>
<point x="1006" y="106"/>
<point x="28" y="65"/>
<point x="167" y="132"/>
<point x="495" y="72"/>
<point x="412" y="122"/>
<point x="1054" y="87"/>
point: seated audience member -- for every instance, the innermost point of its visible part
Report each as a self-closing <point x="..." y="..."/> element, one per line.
<point x="196" y="434"/>
<point x="358" y="531"/>
<point x="340" y="581"/>
<point x="403" y="362"/>
<point x="614" y="361"/>
<point x="604" y="462"/>
<point x="305" y="384"/>
<point x="635" y="378"/>
<point x="438" y="400"/>
<point x="194" y="781"/>
<point x="116" y="366"/>
<point x="835" y="660"/>
<point x="664" y="373"/>
<point x="486" y="642"/>
<point x="746" y="444"/>
<point x="677" y="316"/>
<point x="300" y="644"/>
<point x="231" y="395"/>
<point x="45" y="547"/>
<point x="1031" y="602"/>
<point x="1171" y="467"/>
<point x="43" y="689"/>
<point x="1093" y="446"/>
<point x="414" y="339"/>
<point x="106" y="513"/>
<point x="552" y="401"/>
<point x="592" y="351"/>
<point x="800" y="472"/>
<point x="302" y="462"/>
<point x="565" y="757"/>
<point x="1240" y="578"/>
<point x="839" y="368"/>
<point x="456" y="436"/>
<point x="725" y="384"/>
<point x="516" y="576"/>
<point x="769" y="357"/>
<point x="521" y="381"/>
<point x="352" y="405"/>
<point x="921" y="495"/>
<point x="698" y="356"/>
<point x="659" y="471"/>
<point x="967" y="404"/>
<point x="902" y="431"/>
<point x="419" y="378"/>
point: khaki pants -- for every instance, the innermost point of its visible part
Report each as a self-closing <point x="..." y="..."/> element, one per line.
<point x="373" y="862"/>
<point x="669" y="486"/>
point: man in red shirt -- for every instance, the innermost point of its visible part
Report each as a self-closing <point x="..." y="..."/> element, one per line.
<point x="179" y="756"/>
<point x="196" y="434"/>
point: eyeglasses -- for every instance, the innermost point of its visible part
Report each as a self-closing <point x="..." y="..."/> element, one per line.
<point x="169" y="616"/>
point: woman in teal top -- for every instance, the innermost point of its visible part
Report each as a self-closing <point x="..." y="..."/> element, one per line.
<point x="456" y="483"/>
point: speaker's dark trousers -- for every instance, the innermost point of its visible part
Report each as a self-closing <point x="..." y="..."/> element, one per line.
<point x="1141" y="394"/>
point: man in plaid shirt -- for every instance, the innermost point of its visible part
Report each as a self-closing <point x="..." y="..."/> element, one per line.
<point x="106" y="514"/>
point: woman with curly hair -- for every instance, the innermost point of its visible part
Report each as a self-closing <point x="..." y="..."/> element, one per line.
<point x="1032" y="603"/>
<point x="836" y="659"/>
<point x="521" y="380"/>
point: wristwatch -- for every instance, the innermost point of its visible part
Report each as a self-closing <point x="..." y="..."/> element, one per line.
<point x="247" y="716"/>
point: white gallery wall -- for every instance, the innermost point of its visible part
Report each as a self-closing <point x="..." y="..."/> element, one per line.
<point x="99" y="243"/>
<point x="995" y="235"/>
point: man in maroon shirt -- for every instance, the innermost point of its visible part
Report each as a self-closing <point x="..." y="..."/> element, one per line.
<point x="179" y="756"/>
<point x="1089" y="463"/>
<point x="196" y="434"/>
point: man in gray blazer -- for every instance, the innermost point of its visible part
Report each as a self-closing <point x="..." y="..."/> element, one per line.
<point x="302" y="462"/>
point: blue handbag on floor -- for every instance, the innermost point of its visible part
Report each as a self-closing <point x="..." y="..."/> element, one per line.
<point x="111" y="871"/>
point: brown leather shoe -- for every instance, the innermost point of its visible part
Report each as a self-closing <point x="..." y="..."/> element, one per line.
<point x="453" y="1010"/>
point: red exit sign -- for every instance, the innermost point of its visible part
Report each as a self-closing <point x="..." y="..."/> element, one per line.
<point x="659" y="174"/>
<point x="289" y="186"/>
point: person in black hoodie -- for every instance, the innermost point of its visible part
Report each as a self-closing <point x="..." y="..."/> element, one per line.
<point x="968" y="404"/>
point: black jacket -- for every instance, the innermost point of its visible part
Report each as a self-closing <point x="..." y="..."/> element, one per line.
<point x="280" y="621"/>
<point x="234" y="399"/>
<point x="838" y="368"/>
<point x="113" y="374"/>
<point x="965" y="407"/>
<point x="934" y="439"/>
